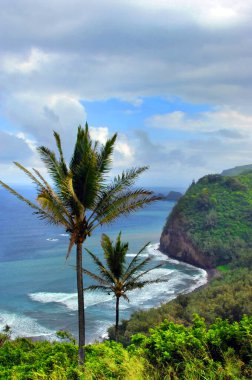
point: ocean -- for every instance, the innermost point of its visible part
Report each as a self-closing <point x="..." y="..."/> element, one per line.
<point x="38" y="286"/>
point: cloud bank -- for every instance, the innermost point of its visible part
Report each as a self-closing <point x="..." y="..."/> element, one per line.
<point x="56" y="55"/>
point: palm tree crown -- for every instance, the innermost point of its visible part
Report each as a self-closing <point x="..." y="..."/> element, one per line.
<point x="81" y="197"/>
<point x="117" y="277"/>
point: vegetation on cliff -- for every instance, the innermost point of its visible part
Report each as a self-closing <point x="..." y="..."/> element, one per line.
<point x="229" y="295"/>
<point x="237" y="170"/>
<point x="211" y="224"/>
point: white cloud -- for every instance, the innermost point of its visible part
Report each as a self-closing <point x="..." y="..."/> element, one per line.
<point x="124" y="155"/>
<point x="123" y="151"/>
<point x="220" y="119"/>
<point x="38" y="115"/>
<point x="24" y="65"/>
<point x="66" y="52"/>
<point x="100" y="134"/>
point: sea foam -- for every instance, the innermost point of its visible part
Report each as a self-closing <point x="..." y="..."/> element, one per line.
<point x="69" y="300"/>
<point x="23" y="326"/>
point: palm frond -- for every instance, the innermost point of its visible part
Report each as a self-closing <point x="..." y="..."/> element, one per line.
<point x="29" y="174"/>
<point x="97" y="278"/>
<point x="72" y="241"/>
<point x="99" y="287"/>
<point x="38" y="211"/>
<point x="86" y="181"/>
<point x="53" y="166"/>
<point x="130" y="278"/>
<point x="70" y="198"/>
<point x="82" y="147"/>
<point x="135" y="260"/>
<point x="124" y="204"/>
<point x="106" y="244"/>
<point x="84" y="166"/>
<point x="122" y="182"/>
<point x="105" y="156"/>
<point x="124" y="295"/>
<point x="140" y="284"/>
<point x="50" y="205"/>
<point x="62" y="160"/>
<point x="127" y="178"/>
<point x="105" y="273"/>
<point x="114" y="254"/>
<point x="19" y="196"/>
<point x="136" y="267"/>
<point x="55" y="196"/>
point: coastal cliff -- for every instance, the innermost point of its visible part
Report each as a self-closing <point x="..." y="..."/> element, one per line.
<point x="175" y="242"/>
<point x="211" y="224"/>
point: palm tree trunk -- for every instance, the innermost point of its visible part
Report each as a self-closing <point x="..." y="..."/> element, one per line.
<point x="117" y="318"/>
<point x="81" y="311"/>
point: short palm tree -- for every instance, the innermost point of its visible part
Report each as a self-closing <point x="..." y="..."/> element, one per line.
<point x="117" y="277"/>
<point x="81" y="198"/>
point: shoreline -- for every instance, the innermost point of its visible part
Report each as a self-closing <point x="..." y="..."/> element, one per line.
<point x="210" y="275"/>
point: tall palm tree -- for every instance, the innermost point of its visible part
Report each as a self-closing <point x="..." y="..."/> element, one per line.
<point x="81" y="198"/>
<point x="114" y="276"/>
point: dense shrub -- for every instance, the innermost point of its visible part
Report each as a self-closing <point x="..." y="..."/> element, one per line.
<point x="215" y="215"/>
<point x="24" y="359"/>
<point x="198" y="349"/>
<point x="228" y="297"/>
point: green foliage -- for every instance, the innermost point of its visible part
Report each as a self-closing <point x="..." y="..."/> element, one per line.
<point x="110" y="360"/>
<point x="215" y="214"/>
<point x="66" y="336"/>
<point x="171" y="351"/>
<point x="223" y="268"/>
<point x="24" y="359"/>
<point x="228" y="297"/>
<point x="198" y="351"/>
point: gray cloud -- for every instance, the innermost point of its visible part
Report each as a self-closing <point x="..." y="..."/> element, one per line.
<point x="103" y="49"/>
<point x="55" y="54"/>
<point x="13" y="148"/>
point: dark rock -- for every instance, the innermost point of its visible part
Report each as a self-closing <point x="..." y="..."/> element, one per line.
<point x="175" y="243"/>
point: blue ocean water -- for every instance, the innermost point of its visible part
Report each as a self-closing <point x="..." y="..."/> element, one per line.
<point x="38" y="287"/>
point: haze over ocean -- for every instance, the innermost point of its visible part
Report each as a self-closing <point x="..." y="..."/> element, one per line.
<point x="38" y="287"/>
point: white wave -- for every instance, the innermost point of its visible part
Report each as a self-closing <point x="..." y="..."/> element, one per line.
<point x="199" y="280"/>
<point x="52" y="239"/>
<point x="65" y="235"/>
<point x="151" y="250"/>
<point x="100" y="330"/>
<point x="23" y="326"/>
<point x="176" y="281"/>
<point x="156" y="254"/>
<point x="69" y="300"/>
<point x="133" y="255"/>
<point x="164" y="291"/>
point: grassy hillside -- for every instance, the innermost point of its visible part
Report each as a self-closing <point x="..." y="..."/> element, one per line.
<point x="237" y="170"/>
<point x="215" y="216"/>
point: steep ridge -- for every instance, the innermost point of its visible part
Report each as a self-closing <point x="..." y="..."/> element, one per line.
<point x="212" y="223"/>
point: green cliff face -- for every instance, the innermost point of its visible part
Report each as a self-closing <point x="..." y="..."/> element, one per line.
<point x="212" y="223"/>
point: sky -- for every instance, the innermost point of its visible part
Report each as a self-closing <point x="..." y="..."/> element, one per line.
<point x="172" y="78"/>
